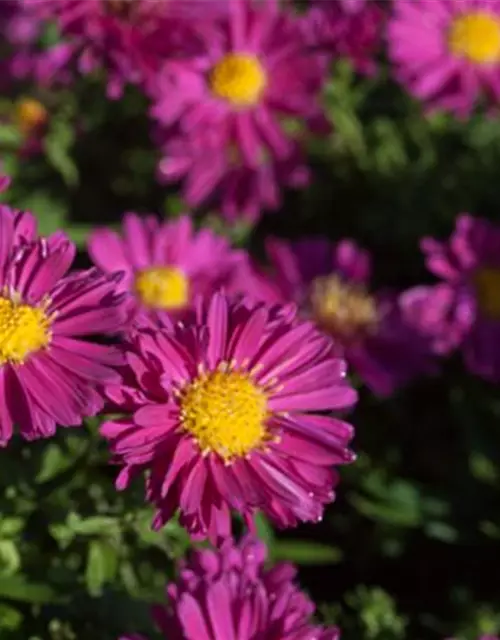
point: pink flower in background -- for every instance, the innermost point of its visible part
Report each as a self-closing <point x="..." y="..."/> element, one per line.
<point x="229" y="594"/>
<point x="447" y="53"/>
<point x="127" y="38"/>
<point x="330" y="284"/>
<point x="165" y="265"/>
<point x="4" y="182"/>
<point x="349" y="29"/>
<point x="253" y="77"/>
<point x="220" y="177"/>
<point x="463" y="310"/>
<point x="50" y="374"/>
<point x="226" y="413"/>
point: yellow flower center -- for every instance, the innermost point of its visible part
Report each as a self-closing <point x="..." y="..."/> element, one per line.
<point x="476" y="37"/>
<point x="238" y="78"/>
<point x="23" y="330"/>
<point x="487" y="282"/>
<point x="340" y="308"/>
<point x="225" y="412"/>
<point x="30" y="115"/>
<point x="162" y="288"/>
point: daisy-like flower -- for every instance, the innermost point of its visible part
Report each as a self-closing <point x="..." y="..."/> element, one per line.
<point x="349" y="29"/>
<point x="50" y="374"/>
<point x="464" y="309"/>
<point x="221" y="178"/>
<point x="127" y="38"/>
<point x="330" y="284"/>
<point x="165" y="265"/>
<point x="229" y="595"/>
<point x="252" y="80"/>
<point x="447" y="53"/>
<point x="227" y="414"/>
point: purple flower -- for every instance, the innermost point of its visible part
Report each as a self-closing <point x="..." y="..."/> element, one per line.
<point x="165" y="265"/>
<point x="447" y="53"/>
<point x="463" y="310"/>
<point x="229" y="595"/>
<point x="253" y="78"/>
<point x="128" y="39"/>
<point x="220" y="177"/>
<point x="349" y="29"/>
<point x="224" y="412"/>
<point x="49" y="374"/>
<point x="330" y="284"/>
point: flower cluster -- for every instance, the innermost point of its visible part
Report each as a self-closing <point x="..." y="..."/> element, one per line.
<point x="230" y="594"/>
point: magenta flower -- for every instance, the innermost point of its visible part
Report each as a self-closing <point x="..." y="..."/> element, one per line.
<point x="253" y="79"/>
<point x="225" y="415"/>
<point x="127" y="39"/>
<point x="230" y="595"/>
<point x="447" y="53"/>
<point x="330" y="284"/>
<point x="49" y="374"/>
<point x="349" y="29"/>
<point x="464" y="309"/>
<point x="165" y="265"/>
<point x="220" y="177"/>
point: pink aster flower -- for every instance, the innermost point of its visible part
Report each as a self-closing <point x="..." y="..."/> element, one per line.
<point x="226" y="414"/>
<point x="253" y="75"/>
<point x="127" y="38"/>
<point x="349" y="29"/>
<point x="330" y="284"/>
<point x="49" y="373"/>
<point x="165" y="265"/>
<point x="221" y="178"/>
<point x="463" y="310"/>
<point x="230" y="595"/>
<point x="447" y="53"/>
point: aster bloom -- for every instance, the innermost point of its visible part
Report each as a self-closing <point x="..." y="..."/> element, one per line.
<point x="126" y="38"/>
<point x="330" y="284"/>
<point x="165" y="265"/>
<point x="221" y="178"/>
<point x="225" y="416"/>
<point x="349" y="29"/>
<point x="447" y="53"/>
<point x="253" y="75"/>
<point x="49" y="374"/>
<point x="463" y="310"/>
<point x="230" y="595"/>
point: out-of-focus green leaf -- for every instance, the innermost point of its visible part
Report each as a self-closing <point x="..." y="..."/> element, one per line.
<point x="305" y="552"/>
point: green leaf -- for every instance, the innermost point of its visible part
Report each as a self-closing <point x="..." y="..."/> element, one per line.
<point x="57" y="145"/>
<point x="95" y="573"/>
<point x="18" y="588"/>
<point x="305" y="552"/>
<point x="95" y="525"/>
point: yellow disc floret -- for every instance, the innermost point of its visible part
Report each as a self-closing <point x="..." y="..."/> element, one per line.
<point x="30" y="115"/>
<point x="23" y="330"/>
<point x="476" y="37"/>
<point x="487" y="283"/>
<point x="225" y="412"/>
<point x="238" y="78"/>
<point x="162" y="288"/>
<point x="341" y="308"/>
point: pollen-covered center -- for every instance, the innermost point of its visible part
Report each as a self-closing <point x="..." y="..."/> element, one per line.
<point x="238" y="78"/>
<point x="225" y="412"/>
<point x="487" y="283"/>
<point x="23" y="330"/>
<point x="162" y="288"/>
<point x="476" y="37"/>
<point x="342" y="308"/>
<point x="30" y="115"/>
